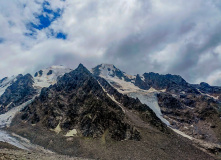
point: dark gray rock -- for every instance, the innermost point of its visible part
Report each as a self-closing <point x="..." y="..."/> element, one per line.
<point x="2" y="80"/>
<point x="49" y="72"/>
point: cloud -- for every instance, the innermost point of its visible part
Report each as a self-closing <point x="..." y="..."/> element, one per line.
<point x="138" y="36"/>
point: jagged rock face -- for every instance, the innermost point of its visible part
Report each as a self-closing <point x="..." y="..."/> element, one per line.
<point x="78" y="102"/>
<point x="17" y="93"/>
<point x="172" y="83"/>
<point x="162" y="81"/>
<point x="169" y="102"/>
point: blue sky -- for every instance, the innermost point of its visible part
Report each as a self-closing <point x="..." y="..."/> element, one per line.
<point x="137" y="36"/>
<point x="44" y="20"/>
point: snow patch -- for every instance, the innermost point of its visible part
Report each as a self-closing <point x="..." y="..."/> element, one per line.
<point x="142" y="78"/>
<point x="182" y="134"/>
<point x="5" y="137"/>
<point x="107" y="69"/>
<point x="71" y="133"/>
<point x="150" y="99"/>
<point x="217" y="97"/>
<point x="13" y="139"/>
<point x="57" y="129"/>
<point x="6" y="118"/>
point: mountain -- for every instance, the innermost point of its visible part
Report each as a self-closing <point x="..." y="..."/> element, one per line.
<point x="106" y="113"/>
<point x="101" y="115"/>
<point x="128" y="86"/>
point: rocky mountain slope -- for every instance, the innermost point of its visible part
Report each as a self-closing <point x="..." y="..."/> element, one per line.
<point x="78" y="104"/>
<point x="192" y="109"/>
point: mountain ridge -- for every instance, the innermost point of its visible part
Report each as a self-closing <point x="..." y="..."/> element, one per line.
<point x="109" y="105"/>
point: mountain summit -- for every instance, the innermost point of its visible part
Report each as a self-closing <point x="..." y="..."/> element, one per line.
<point x="109" y="70"/>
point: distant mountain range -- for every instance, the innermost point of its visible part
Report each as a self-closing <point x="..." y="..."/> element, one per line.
<point x="106" y="113"/>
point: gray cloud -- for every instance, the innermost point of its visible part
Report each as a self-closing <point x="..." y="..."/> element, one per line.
<point x="138" y="36"/>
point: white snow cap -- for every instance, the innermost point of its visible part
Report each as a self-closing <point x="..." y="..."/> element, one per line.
<point x="107" y="69"/>
<point x="49" y="76"/>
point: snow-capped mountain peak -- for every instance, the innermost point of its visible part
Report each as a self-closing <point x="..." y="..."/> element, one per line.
<point x="110" y="71"/>
<point x="105" y="70"/>
<point x="49" y="76"/>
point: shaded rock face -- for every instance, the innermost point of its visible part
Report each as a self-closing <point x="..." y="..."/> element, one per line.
<point x="168" y="101"/>
<point x="96" y="70"/>
<point x="163" y="81"/>
<point x="141" y="84"/>
<point x="17" y="93"/>
<point x="172" y="83"/>
<point x="78" y="102"/>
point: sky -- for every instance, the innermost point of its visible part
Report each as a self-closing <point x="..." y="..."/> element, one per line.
<point x="164" y="36"/>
